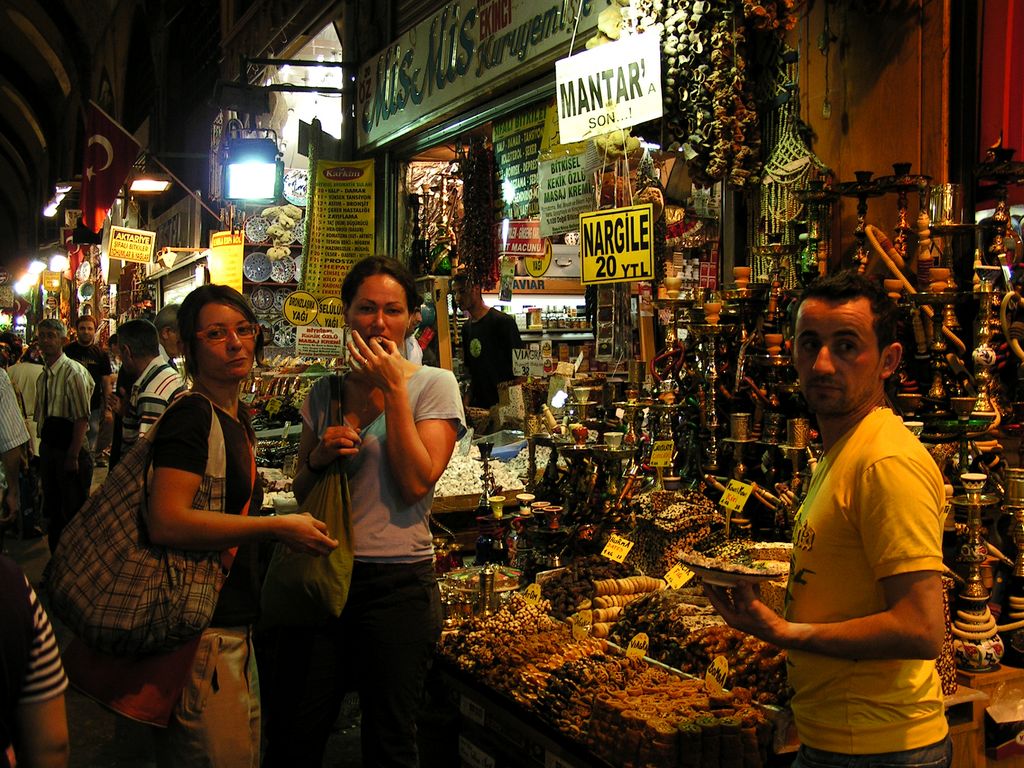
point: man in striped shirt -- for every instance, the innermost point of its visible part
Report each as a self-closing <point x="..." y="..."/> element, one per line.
<point x="156" y="385"/>
<point x="62" y="413"/>
<point x="13" y="439"/>
<point x="33" y="717"/>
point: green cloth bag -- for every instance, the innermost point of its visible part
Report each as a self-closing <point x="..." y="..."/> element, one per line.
<point x="309" y="590"/>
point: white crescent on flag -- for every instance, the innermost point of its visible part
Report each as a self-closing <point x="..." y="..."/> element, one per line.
<point x="104" y="142"/>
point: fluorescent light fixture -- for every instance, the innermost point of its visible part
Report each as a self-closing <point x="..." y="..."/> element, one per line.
<point x="150" y="184"/>
<point x="36" y="267"/>
<point x="59" y="262"/>
<point x="254" y="171"/>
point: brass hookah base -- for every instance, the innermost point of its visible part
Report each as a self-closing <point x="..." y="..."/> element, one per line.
<point x="976" y="641"/>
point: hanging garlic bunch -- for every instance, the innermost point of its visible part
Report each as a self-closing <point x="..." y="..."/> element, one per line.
<point x="283" y="220"/>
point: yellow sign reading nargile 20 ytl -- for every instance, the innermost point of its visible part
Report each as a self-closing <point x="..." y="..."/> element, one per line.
<point x="617" y="245"/>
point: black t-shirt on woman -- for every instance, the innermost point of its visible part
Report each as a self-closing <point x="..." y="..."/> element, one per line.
<point x="182" y="443"/>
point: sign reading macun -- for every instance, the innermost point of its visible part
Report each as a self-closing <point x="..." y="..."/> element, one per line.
<point x="464" y="52"/>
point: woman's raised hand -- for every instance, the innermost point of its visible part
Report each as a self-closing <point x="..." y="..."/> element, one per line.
<point x="379" y="359"/>
<point x="338" y="441"/>
<point x="304" y="533"/>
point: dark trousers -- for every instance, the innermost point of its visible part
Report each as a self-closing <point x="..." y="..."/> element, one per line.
<point x="381" y="646"/>
<point x="64" y="493"/>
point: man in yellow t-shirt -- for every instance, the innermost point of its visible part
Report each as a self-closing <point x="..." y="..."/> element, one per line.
<point x="864" y="619"/>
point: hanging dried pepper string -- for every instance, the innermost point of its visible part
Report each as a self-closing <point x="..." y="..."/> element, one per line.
<point x="477" y="241"/>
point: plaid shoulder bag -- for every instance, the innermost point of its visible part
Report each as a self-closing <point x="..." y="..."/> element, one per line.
<point x="117" y="591"/>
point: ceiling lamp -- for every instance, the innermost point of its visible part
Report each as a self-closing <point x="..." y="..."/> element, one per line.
<point x="150" y="184"/>
<point x="253" y="169"/>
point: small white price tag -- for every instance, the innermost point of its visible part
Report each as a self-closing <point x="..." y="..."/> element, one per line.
<point x="581" y="624"/>
<point x="472" y="710"/>
<point x="617" y="548"/>
<point x="638" y="646"/>
<point x="717" y="674"/>
<point x="661" y="453"/>
<point x="679" y="576"/>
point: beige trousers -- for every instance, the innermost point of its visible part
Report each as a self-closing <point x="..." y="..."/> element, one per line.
<point x="217" y="722"/>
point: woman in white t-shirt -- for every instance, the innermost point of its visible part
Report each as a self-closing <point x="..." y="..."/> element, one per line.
<point x="397" y="427"/>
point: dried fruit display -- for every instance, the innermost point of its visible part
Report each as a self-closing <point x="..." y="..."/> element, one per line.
<point x="687" y="636"/>
<point x="570" y="589"/>
<point x="669" y="523"/>
<point x="626" y="711"/>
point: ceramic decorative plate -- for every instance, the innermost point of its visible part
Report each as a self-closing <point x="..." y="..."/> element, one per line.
<point x="299" y="233"/>
<point x="284" y="334"/>
<point x="256" y="229"/>
<point x="283" y="270"/>
<point x="280" y="295"/>
<point x="298" y="269"/>
<point x="296" y="186"/>
<point x="262" y="299"/>
<point x="268" y="329"/>
<point x="86" y="291"/>
<point x="257" y="267"/>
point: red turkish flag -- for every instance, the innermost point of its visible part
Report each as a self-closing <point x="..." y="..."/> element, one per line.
<point x="110" y="152"/>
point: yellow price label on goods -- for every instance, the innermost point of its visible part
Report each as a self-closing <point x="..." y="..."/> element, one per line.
<point x="717" y="674"/>
<point x="300" y="308"/>
<point x="638" y="646"/>
<point x="679" y="576"/>
<point x="581" y="624"/>
<point x="532" y="594"/>
<point x="661" y="453"/>
<point x="273" y="406"/>
<point x="735" y="496"/>
<point x="617" y="548"/>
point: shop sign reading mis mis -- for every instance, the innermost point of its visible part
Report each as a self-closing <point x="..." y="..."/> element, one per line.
<point x="466" y="52"/>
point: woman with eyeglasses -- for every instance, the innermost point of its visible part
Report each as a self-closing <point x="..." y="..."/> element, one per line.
<point x="398" y="427"/>
<point x="215" y="721"/>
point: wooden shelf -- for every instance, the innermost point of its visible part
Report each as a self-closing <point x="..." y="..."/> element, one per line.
<point x="969" y="742"/>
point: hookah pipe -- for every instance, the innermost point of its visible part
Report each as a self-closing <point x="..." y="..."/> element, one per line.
<point x="673" y="357"/>
<point x="882" y="246"/>
<point x="763" y="495"/>
<point x="1014" y="331"/>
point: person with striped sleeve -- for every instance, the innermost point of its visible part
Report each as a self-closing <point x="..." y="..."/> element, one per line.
<point x="156" y="385"/>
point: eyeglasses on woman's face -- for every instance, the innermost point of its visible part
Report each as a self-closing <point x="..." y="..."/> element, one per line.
<point x="218" y="334"/>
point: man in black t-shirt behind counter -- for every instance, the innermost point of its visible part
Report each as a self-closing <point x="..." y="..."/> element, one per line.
<point x="488" y="338"/>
